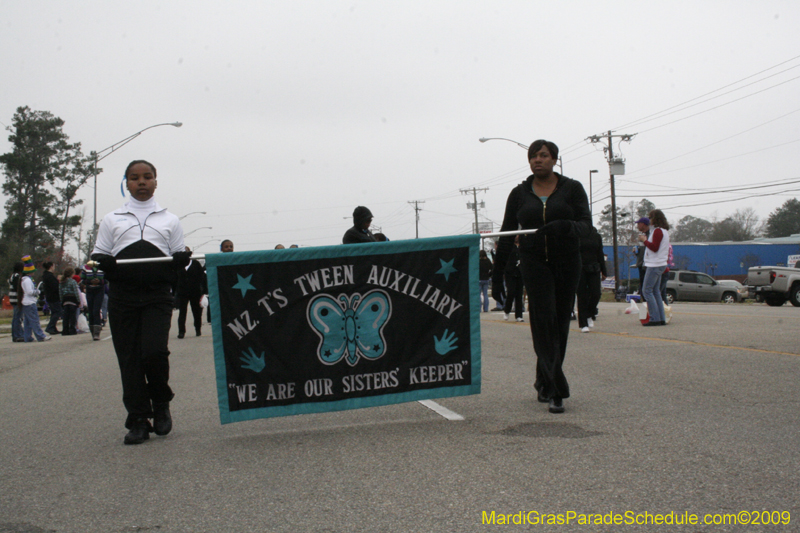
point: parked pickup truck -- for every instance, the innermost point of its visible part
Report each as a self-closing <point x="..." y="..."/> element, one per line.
<point x="775" y="285"/>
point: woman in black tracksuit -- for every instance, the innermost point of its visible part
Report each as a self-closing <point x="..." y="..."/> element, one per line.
<point x="558" y="208"/>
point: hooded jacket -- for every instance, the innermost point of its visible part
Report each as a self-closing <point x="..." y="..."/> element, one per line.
<point x="356" y="234"/>
<point x="562" y="221"/>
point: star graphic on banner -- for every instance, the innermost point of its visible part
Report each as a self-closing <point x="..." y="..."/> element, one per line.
<point x="244" y="284"/>
<point x="447" y="269"/>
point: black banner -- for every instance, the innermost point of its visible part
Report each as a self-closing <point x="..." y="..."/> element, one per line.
<point x="343" y="327"/>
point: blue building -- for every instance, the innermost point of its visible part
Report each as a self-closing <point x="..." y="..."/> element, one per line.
<point x="725" y="260"/>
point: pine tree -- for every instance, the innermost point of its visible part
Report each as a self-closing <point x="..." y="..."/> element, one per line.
<point x="43" y="175"/>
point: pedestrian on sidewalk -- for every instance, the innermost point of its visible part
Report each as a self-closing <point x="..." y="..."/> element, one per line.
<point x="70" y="296"/>
<point x="51" y="296"/>
<point x="14" y="297"/>
<point x="30" y="312"/>
<point x="484" y="278"/>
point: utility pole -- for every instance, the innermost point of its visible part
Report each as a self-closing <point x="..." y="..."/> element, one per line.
<point x="474" y="204"/>
<point x="615" y="167"/>
<point x="417" y="209"/>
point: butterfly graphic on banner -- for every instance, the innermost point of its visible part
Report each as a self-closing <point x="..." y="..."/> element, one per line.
<point x="351" y="327"/>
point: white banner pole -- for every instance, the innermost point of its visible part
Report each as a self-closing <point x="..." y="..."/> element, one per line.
<point x="168" y="258"/>
<point x="165" y="259"/>
<point x="506" y="233"/>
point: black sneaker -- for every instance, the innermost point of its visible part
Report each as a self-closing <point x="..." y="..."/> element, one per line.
<point x="140" y="432"/>
<point x="556" y="405"/>
<point x="162" y="420"/>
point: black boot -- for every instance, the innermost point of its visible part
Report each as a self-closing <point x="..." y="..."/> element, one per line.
<point x="140" y="432"/>
<point x="162" y="421"/>
<point x="198" y="331"/>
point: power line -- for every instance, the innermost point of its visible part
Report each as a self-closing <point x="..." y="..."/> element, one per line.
<point x="717" y="160"/>
<point x="721" y="105"/>
<point x="700" y="192"/>
<point x="642" y="120"/>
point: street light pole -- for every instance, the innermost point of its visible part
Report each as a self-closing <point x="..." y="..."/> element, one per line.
<point x="196" y="213"/>
<point x="110" y="150"/>
<point x="484" y="139"/>
<point x="525" y="146"/>
<point x="198" y="229"/>
<point x="612" y="168"/>
<point x="590" y="189"/>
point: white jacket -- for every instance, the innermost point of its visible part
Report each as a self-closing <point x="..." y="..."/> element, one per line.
<point x="660" y="257"/>
<point x="136" y="221"/>
<point x="30" y="294"/>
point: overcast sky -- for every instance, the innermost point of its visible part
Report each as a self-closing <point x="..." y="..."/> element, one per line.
<point x="296" y="112"/>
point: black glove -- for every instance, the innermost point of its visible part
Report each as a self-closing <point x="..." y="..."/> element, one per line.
<point x="556" y="228"/>
<point x="106" y="263"/>
<point x="181" y="259"/>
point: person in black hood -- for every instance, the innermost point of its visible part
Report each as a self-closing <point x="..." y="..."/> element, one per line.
<point x="362" y="218"/>
<point x="550" y="261"/>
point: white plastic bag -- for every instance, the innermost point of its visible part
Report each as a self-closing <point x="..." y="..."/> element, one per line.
<point x="83" y="324"/>
<point x="204" y="301"/>
<point x="644" y="316"/>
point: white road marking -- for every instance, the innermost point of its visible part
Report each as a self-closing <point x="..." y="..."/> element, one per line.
<point x="444" y="411"/>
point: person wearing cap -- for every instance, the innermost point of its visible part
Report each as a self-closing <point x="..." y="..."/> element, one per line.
<point x="30" y="312"/>
<point x="643" y="225"/>
<point x="362" y="219"/>
<point x="656" y="256"/>
<point x="93" y="286"/>
<point x="191" y="287"/>
<point x="550" y="261"/>
<point x="140" y="298"/>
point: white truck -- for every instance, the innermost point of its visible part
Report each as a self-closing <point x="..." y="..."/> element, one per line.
<point x="774" y="284"/>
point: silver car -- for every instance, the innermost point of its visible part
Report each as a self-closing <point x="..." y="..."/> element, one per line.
<point x="690" y="286"/>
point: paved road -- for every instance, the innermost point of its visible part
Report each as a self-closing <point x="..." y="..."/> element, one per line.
<point x="698" y="417"/>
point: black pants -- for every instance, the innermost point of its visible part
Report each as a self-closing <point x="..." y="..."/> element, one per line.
<point x="141" y="333"/>
<point x="68" y="322"/>
<point x="514" y="296"/>
<point x="551" y="294"/>
<point x="197" y="313"/>
<point x="589" y="290"/>
<point x="94" y="303"/>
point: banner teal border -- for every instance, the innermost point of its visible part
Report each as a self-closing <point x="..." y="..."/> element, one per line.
<point x="321" y="252"/>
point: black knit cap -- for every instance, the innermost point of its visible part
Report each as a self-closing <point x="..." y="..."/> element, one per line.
<point x="361" y="214"/>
